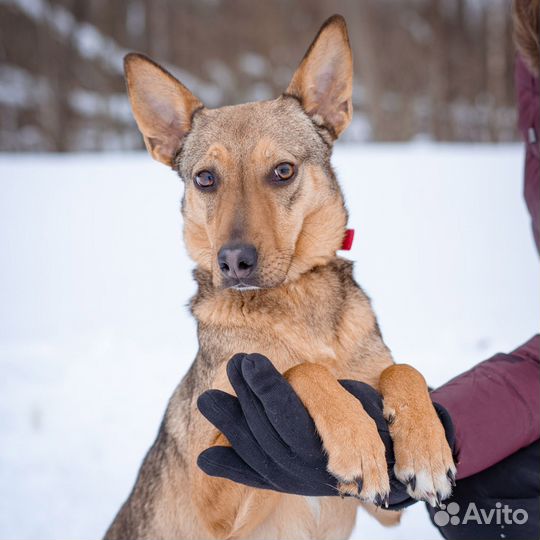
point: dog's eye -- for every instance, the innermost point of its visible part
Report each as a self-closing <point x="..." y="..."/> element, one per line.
<point x="205" y="179"/>
<point x="284" y="171"/>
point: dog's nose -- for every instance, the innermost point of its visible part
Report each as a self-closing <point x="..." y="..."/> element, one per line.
<point x="237" y="261"/>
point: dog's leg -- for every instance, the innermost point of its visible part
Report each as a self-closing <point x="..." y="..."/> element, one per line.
<point x="228" y="509"/>
<point x="173" y="498"/>
<point x="423" y="457"/>
<point x="349" y="434"/>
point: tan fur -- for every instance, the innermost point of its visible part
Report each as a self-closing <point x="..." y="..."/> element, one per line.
<point x="327" y="66"/>
<point x="307" y="314"/>
<point x="354" y="453"/>
<point x="416" y="431"/>
<point x="164" y="114"/>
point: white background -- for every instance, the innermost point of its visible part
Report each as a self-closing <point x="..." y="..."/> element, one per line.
<point x="95" y="335"/>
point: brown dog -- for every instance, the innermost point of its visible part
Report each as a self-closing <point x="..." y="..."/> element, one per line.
<point x="263" y="219"/>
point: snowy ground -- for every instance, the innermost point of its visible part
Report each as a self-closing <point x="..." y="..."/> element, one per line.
<point x="94" y="333"/>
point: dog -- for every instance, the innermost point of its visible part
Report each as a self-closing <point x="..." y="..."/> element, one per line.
<point x="263" y="219"/>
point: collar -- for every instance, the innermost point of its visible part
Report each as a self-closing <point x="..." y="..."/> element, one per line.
<point x="348" y="240"/>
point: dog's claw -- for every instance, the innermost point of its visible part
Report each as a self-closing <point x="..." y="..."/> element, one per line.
<point x="412" y="482"/>
<point x="390" y="419"/>
<point x="381" y="499"/>
<point x="451" y="475"/>
<point x="350" y="489"/>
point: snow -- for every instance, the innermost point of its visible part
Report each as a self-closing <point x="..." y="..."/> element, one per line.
<point x="19" y="88"/>
<point x="91" y="104"/>
<point x="92" y="44"/>
<point x="94" y="332"/>
<point x="254" y="64"/>
<point x="87" y="39"/>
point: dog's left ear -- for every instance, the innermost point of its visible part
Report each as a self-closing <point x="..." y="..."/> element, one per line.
<point x="323" y="81"/>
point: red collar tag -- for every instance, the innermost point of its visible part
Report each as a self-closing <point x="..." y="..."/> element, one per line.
<point x="348" y="240"/>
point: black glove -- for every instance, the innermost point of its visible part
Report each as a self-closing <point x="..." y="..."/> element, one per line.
<point x="274" y="441"/>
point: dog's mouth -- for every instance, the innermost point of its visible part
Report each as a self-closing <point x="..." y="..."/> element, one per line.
<point x="241" y="285"/>
<point x="245" y="287"/>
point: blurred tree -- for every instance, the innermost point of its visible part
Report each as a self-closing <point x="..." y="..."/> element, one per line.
<point x="436" y="69"/>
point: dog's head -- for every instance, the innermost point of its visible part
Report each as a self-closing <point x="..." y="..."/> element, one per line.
<point x="261" y="203"/>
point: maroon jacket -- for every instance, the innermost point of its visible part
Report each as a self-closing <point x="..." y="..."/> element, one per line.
<point x="496" y="405"/>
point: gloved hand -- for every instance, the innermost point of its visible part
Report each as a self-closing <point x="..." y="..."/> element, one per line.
<point x="274" y="441"/>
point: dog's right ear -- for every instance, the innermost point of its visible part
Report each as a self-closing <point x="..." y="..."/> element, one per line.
<point x="162" y="106"/>
<point x="323" y="81"/>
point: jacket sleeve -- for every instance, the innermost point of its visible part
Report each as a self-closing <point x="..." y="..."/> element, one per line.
<point x="495" y="407"/>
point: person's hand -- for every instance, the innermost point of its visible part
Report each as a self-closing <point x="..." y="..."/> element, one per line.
<point x="274" y="443"/>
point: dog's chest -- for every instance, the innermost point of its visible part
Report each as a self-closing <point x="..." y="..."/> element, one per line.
<point x="285" y="347"/>
<point x="300" y="337"/>
<point x="313" y="321"/>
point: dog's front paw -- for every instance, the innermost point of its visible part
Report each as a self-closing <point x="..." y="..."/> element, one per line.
<point x="356" y="457"/>
<point x="356" y="452"/>
<point x="424" y="461"/>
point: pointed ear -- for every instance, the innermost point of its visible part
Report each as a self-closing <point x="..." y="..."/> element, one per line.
<point x="323" y="81"/>
<point x="162" y="106"/>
